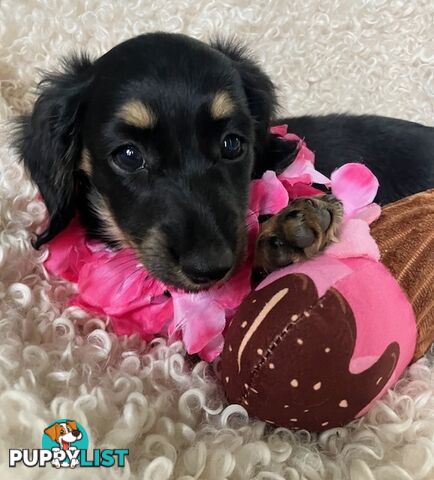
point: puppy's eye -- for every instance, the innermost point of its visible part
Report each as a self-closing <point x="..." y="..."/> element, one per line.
<point x="232" y="147"/>
<point x="128" y="158"/>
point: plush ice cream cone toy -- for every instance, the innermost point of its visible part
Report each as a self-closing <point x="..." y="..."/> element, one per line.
<point x="317" y="342"/>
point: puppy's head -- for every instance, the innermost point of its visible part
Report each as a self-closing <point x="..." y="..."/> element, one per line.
<point x="66" y="432"/>
<point x="154" y="143"/>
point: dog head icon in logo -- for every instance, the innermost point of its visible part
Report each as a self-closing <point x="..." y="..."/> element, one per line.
<point x="67" y="437"/>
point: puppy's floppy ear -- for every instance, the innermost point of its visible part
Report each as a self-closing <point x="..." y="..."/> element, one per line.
<point x="53" y="432"/>
<point x="48" y="140"/>
<point x="72" y="424"/>
<point x="271" y="153"/>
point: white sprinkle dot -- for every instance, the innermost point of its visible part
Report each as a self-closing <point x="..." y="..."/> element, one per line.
<point x="294" y="317"/>
<point x="327" y="350"/>
<point x="244" y="325"/>
<point x="317" y="386"/>
<point x="285" y="406"/>
<point x="299" y="341"/>
<point x="230" y="348"/>
<point x="306" y="410"/>
<point x="227" y="379"/>
<point x="306" y="313"/>
<point x="293" y="419"/>
<point x="246" y="386"/>
<point x="253" y="390"/>
<point x="259" y="351"/>
<point x="294" y="383"/>
<point x="324" y="424"/>
<point x="271" y="366"/>
<point x="379" y="380"/>
<point x="245" y="402"/>
<point x="254" y="300"/>
<point x="343" y="404"/>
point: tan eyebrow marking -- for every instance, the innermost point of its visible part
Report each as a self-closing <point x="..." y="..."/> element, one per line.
<point x="222" y="105"/>
<point x="137" y="114"/>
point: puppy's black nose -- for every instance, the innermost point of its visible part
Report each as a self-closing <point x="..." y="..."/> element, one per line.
<point x="211" y="268"/>
<point x="76" y="433"/>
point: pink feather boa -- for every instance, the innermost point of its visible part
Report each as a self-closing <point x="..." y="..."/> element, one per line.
<point x="114" y="284"/>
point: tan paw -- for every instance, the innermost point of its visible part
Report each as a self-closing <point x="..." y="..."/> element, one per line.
<point x="298" y="232"/>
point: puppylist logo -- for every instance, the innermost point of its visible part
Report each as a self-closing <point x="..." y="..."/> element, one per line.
<point x="65" y="445"/>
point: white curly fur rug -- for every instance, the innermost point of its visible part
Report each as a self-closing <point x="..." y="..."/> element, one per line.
<point x="325" y="55"/>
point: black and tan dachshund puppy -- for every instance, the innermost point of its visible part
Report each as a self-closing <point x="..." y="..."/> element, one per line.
<point x="154" y="145"/>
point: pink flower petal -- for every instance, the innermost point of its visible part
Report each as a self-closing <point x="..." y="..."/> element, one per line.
<point x="127" y="326"/>
<point x="292" y="137"/>
<point x="304" y="154"/>
<point x="268" y="195"/>
<point x="117" y="283"/>
<point x="68" y="252"/>
<point x="231" y="293"/>
<point x="77" y="301"/>
<point x="279" y="130"/>
<point x="355" y="240"/>
<point x="369" y="214"/>
<point x="355" y="185"/>
<point x="148" y="321"/>
<point x="298" y="190"/>
<point x="200" y="319"/>
<point x="213" y="349"/>
<point x="302" y="170"/>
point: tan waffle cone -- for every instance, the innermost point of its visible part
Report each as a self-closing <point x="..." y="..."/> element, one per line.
<point x="405" y="235"/>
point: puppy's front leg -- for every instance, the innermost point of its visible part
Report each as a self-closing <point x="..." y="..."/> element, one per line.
<point x="298" y="232"/>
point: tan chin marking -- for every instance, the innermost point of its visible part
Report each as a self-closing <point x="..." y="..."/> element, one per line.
<point x="110" y="228"/>
<point x="85" y="163"/>
<point x="137" y="114"/>
<point x="222" y="105"/>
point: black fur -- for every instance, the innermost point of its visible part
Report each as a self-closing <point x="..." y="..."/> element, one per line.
<point x="399" y="153"/>
<point x="187" y="207"/>
<point x="49" y="140"/>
